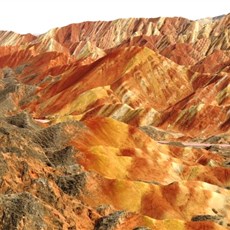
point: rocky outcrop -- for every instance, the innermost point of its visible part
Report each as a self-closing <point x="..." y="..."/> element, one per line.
<point x="110" y="221"/>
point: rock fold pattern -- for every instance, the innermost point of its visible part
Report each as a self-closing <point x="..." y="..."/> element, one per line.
<point x="119" y="125"/>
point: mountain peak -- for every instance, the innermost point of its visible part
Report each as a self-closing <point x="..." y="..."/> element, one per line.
<point x="119" y="124"/>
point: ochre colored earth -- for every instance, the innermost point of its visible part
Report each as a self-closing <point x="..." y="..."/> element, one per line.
<point x="120" y="125"/>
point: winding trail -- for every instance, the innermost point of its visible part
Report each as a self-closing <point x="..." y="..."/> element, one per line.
<point x="195" y="144"/>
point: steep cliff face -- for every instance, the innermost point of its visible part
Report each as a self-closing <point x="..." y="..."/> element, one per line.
<point x="116" y="125"/>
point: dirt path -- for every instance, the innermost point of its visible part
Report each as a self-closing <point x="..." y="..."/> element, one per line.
<point x="195" y="144"/>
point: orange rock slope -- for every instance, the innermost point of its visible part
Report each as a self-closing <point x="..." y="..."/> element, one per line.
<point x="116" y="125"/>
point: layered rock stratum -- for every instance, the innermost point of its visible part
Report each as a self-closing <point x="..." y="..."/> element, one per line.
<point x="119" y="125"/>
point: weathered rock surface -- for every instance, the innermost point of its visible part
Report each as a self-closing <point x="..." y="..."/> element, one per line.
<point x="119" y="125"/>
